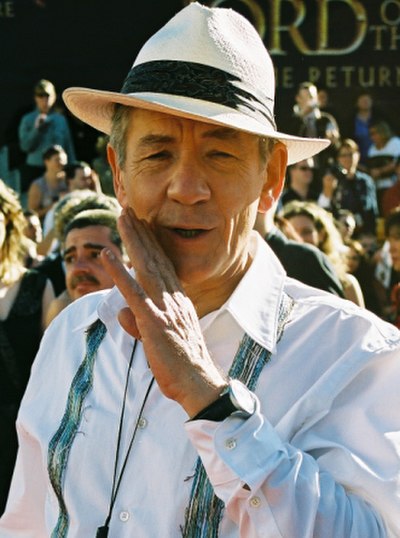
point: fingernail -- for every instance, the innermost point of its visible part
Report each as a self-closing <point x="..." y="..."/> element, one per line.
<point x="109" y="254"/>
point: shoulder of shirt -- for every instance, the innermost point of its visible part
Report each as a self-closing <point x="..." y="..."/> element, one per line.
<point x="80" y="313"/>
<point x="327" y="309"/>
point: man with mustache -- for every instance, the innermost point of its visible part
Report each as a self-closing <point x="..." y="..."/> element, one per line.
<point x="88" y="233"/>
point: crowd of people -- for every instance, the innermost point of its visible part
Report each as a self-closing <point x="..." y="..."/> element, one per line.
<point x="335" y="226"/>
<point x="341" y="200"/>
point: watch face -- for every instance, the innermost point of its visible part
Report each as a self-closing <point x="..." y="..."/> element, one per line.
<point x="242" y="398"/>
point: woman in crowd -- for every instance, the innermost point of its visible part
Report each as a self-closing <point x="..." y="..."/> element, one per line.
<point x="47" y="189"/>
<point x="316" y="226"/>
<point x="382" y="157"/>
<point x="24" y="299"/>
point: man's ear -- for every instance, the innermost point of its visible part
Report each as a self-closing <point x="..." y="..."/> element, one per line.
<point x="119" y="188"/>
<point x="274" y="177"/>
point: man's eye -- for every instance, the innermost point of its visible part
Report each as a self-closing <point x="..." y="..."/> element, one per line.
<point x="69" y="259"/>
<point x="221" y="155"/>
<point x="95" y="254"/>
<point x="159" y="155"/>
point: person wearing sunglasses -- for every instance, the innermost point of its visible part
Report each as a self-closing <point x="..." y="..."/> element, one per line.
<point x="41" y="128"/>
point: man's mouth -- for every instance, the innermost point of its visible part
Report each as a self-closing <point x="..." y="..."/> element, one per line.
<point x="188" y="233"/>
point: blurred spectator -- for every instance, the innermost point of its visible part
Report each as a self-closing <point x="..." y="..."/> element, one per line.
<point x="324" y="102"/>
<point x="392" y="231"/>
<point x="24" y="298"/>
<point x="101" y="166"/>
<point x="309" y="121"/>
<point x="370" y="243"/>
<point x="40" y="129"/>
<point x="391" y="197"/>
<point x="85" y="237"/>
<point x="47" y="189"/>
<point x="301" y="261"/>
<point x="33" y="229"/>
<point x="299" y="180"/>
<point x="34" y="235"/>
<point x="382" y="157"/>
<point x="329" y="183"/>
<point x="359" y="122"/>
<point x="316" y="226"/>
<point x="346" y="224"/>
<point x="351" y="189"/>
<point x="359" y="265"/>
<point x="69" y="206"/>
<point x="78" y="176"/>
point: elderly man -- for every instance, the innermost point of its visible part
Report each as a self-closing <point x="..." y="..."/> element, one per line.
<point x="207" y="394"/>
<point x="88" y="233"/>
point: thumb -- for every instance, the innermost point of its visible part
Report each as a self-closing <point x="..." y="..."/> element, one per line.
<point x="128" y="322"/>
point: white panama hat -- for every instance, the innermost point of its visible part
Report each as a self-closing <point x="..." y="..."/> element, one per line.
<point x="206" y="64"/>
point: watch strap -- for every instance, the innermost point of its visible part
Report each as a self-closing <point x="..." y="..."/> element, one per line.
<point x="218" y="410"/>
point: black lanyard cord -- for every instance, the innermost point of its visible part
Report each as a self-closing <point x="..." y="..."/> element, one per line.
<point x="102" y="532"/>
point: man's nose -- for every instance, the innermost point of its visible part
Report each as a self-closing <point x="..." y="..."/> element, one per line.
<point x="188" y="182"/>
<point x="80" y="265"/>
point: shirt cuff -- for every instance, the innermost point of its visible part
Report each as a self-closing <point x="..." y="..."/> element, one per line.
<point x="236" y="449"/>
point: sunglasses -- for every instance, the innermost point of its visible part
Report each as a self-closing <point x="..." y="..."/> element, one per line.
<point x="304" y="168"/>
<point x="42" y="95"/>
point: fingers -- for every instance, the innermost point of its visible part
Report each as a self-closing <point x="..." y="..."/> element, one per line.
<point x="153" y="269"/>
<point x="127" y="285"/>
<point x="128" y="322"/>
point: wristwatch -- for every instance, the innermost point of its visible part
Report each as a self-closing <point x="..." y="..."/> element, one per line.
<point x="236" y="399"/>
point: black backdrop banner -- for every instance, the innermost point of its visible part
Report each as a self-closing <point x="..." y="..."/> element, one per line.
<point x="341" y="45"/>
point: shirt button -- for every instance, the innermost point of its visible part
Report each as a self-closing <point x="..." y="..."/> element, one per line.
<point x="124" y="516"/>
<point x="230" y="444"/>
<point x="255" y="502"/>
<point x="142" y="423"/>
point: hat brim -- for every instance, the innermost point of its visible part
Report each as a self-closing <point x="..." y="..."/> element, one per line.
<point x="96" y="107"/>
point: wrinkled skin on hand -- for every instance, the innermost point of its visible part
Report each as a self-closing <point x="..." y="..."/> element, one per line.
<point x="160" y="314"/>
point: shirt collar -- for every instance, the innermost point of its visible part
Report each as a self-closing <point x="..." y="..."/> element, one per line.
<point x="254" y="304"/>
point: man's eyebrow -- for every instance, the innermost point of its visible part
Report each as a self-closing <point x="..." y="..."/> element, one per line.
<point x="94" y="246"/>
<point x="68" y="250"/>
<point x="154" y="139"/>
<point x="88" y="246"/>
<point x="221" y="133"/>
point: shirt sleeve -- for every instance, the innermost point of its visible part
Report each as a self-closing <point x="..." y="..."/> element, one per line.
<point x="337" y="475"/>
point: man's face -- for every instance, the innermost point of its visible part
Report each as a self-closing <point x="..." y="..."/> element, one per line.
<point x="82" y="179"/>
<point x="394" y="243"/>
<point x="302" y="172"/>
<point x="44" y="101"/>
<point x="305" y="99"/>
<point x="84" y="270"/>
<point x="198" y="186"/>
<point x="348" y="158"/>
